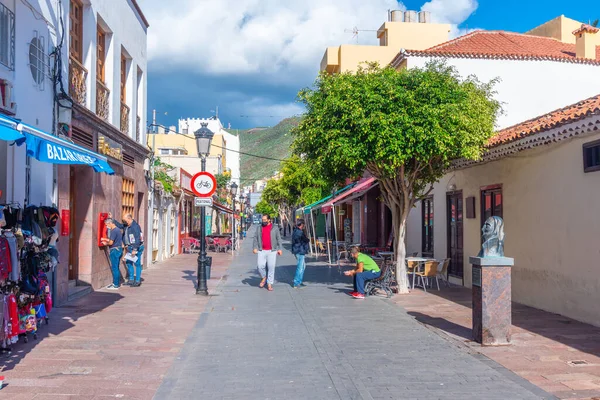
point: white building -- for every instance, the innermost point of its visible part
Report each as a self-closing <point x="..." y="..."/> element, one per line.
<point x="96" y="52"/>
<point x="535" y="74"/>
<point x="231" y="142"/>
<point x="26" y="39"/>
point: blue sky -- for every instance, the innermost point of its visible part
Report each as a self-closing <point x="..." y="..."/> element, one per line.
<point x="250" y="57"/>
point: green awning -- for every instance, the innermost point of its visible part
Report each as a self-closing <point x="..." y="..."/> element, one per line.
<point x="308" y="208"/>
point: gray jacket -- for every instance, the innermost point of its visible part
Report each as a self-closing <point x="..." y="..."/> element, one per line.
<point x="275" y="238"/>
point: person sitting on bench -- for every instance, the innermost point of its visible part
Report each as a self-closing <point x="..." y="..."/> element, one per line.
<point x="366" y="269"/>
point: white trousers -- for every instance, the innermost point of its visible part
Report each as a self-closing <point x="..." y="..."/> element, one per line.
<point x="267" y="259"/>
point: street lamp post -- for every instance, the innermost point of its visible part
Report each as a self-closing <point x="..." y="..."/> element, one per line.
<point x="203" y="138"/>
<point x="233" y="188"/>
<point x="242" y="216"/>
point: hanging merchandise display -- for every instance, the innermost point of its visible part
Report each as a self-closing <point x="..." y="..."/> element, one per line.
<point x="27" y="254"/>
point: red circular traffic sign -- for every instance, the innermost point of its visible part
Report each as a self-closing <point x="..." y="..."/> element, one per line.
<point x="204" y="184"/>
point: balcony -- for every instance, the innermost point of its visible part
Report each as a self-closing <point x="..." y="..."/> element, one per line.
<point x="77" y="81"/>
<point x="124" y="118"/>
<point x="102" y="100"/>
<point x="138" y="121"/>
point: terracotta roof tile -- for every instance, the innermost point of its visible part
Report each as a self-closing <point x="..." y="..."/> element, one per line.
<point x="586" y="28"/>
<point x="504" y="45"/>
<point x="548" y="121"/>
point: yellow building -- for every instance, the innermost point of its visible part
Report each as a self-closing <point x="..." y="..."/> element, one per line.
<point x="401" y="31"/>
<point x="180" y="150"/>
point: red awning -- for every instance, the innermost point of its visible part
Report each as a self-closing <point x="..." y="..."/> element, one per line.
<point x="361" y="186"/>
<point x="222" y="208"/>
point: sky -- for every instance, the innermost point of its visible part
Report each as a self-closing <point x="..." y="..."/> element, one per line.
<point x="250" y="58"/>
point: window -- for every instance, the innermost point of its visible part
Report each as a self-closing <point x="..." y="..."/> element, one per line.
<point x="38" y="62"/>
<point x="591" y="156"/>
<point x="7" y="37"/>
<point x="101" y="50"/>
<point x="427" y="228"/>
<point x="128" y="196"/>
<point x="164" y="152"/>
<point x="123" y="79"/>
<point x="491" y="203"/>
<point x="76" y="30"/>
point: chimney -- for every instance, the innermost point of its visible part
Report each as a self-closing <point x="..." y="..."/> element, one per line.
<point x="585" y="42"/>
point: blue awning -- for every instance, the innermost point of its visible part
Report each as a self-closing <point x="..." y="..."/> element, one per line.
<point x="51" y="149"/>
<point x="8" y="130"/>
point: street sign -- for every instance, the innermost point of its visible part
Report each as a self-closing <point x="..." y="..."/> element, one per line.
<point x="204" y="184"/>
<point x="203" y="201"/>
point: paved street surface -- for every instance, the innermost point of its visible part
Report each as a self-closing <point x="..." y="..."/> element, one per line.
<point x="556" y="353"/>
<point x="319" y="343"/>
<point x="111" y="344"/>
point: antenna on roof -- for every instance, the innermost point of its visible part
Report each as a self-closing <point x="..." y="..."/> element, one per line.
<point x="355" y="31"/>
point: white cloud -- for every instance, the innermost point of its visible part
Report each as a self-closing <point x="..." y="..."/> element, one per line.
<point x="249" y="36"/>
<point x="275" y="44"/>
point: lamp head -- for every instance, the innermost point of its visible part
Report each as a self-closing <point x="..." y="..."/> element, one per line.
<point x="203" y="138"/>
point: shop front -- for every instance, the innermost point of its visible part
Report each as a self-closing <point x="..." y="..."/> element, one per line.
<point x="32" y="233"/>
<point x="89" y="197"/>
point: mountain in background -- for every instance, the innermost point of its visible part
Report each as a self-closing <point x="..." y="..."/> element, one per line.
<point x="267" y="142"/>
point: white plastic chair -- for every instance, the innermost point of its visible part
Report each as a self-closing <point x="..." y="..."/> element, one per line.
<point x="442" y="271"/>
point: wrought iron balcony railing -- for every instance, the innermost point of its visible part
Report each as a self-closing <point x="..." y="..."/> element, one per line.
<point x="102" y="100"/>
<point x="124" y="118"/>
<point x="77" y="81"/>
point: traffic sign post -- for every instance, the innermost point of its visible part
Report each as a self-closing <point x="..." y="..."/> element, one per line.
<point x="203" y="202"/>
<point x="204" y="184"/>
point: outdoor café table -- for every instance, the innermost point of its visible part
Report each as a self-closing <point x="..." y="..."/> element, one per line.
<point x="419" y="261"/>
<point x="386" y="255"/>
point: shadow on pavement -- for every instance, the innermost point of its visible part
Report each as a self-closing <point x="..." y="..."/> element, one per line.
<point x="564" y="330"/>
<point x="442" y="324"/>
<point x="60" y="319"/>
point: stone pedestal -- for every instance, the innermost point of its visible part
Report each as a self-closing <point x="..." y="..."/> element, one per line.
<point x="491" y="300"/>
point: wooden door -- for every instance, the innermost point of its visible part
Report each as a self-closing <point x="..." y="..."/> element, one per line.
<point x="123" y="79"/>
<point x="76" y="30"/>
<point x="454" y="217"/>
<point x="73" y="239"/>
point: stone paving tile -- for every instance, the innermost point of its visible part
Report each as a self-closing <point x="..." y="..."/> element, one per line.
<point x="319" y="343"/>
<point x="543" y="343"/>
<point x="112" y="344"/>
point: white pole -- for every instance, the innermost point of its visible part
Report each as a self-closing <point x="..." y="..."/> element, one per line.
<point x="314" y="231"/>
<point x="327" y="240"/>
<point x="335" y="233"/>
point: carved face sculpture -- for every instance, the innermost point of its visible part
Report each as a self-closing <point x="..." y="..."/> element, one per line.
<point x="493" y="237"/>
<point x="493" y="228"/>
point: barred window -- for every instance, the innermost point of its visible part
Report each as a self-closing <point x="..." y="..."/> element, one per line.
<point x="7" y="37"/>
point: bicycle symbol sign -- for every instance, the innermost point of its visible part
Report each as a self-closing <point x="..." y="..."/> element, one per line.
<point x="204" y="184"/>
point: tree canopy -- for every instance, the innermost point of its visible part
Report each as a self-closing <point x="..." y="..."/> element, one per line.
<point x="262" y="207"/>
<point x="405" y="127"/>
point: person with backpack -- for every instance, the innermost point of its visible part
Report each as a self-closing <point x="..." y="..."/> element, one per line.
<point x="133" y="240"/>
<point x="114" y="241"/>
<point x="299" y="249"/>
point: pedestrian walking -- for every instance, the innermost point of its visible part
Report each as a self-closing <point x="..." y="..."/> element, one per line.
<point x="114" y="241"/>
<point x="133" y="239"/>
<point x="299" y="249"/>
<point x="366" y="269"/>
<point x="267" y="244"/>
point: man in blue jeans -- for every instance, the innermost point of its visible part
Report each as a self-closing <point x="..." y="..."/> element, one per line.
<point x="366" y="269"/>
<point x="299" y="249"/>
<point x="114" y="241"/>
<point x="134" y="246"/>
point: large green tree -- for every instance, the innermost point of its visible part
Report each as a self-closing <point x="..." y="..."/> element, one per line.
<point x="299" y="184"/>
<point x="404" y="127"/>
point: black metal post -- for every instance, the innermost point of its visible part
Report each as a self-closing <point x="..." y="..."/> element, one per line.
<point x="202" y="288"/>
<point x="233" y="232"/>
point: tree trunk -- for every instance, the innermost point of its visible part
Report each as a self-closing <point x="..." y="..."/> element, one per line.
<point x="401" y="271"/>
